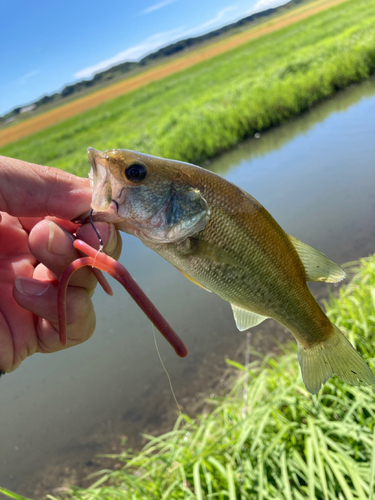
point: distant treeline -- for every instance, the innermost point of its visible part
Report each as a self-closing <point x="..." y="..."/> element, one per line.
<point x="122" y="69"/>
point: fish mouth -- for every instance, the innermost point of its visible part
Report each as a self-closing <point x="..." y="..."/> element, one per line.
<point x="92" y="215"/>
<point x="103" y="207"/>
<point x="105" y="188"/>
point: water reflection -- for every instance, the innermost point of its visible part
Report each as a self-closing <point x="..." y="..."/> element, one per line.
<point x="275" y="139"/>
<point x="316" y="176"/>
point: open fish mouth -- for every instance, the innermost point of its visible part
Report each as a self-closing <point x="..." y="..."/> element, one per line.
<point x="106" y="187"/>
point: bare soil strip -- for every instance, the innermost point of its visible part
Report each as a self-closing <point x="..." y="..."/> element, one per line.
<point x="89" y="101"/>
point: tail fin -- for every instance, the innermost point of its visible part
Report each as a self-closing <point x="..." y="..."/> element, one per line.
<point x="335" y="355"/>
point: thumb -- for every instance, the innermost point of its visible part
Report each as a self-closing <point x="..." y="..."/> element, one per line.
<point x="29" y="190"/>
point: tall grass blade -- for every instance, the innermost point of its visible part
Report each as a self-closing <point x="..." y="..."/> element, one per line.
<point x="310" y="467"/>
<point x="10" y="494"/>
<point x="285" y="477"/>
<point x="231" y="486"/>
<point x="372" y="470"/>
<point x="339" y="476"/>
<point x="318" y="458"/>
<point x="197" y="481"/>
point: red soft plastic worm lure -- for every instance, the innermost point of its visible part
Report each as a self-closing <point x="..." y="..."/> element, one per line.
<point x="101" y="261"/>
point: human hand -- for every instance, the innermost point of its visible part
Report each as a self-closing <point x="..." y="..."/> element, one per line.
<point x="36" y="245"/>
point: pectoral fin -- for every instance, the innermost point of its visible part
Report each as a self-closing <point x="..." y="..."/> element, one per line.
<point x="246" y="319"/>
<point x="208" y="251"/>
<point x="317" y="266"/>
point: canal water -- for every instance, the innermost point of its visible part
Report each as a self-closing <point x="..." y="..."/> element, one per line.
<point x="316" y="176"/>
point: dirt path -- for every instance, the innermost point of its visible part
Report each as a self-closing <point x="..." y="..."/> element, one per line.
<point x="65" y="111"/>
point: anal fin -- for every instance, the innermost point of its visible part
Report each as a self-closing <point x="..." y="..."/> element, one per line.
<point x="246" y="319"/>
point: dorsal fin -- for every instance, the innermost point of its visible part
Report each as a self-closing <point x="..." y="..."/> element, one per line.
<point x="246" y="319"/>
<point x="317" y="266"/>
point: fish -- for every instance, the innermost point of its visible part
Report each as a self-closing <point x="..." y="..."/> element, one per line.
<point x="223" y="240"/>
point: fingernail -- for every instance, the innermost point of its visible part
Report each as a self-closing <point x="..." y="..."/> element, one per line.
<point x="28" y="286"/>
<point x="60" y="241"/>
<point x="112" y="241"/>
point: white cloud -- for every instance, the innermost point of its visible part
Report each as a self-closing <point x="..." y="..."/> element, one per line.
<point x="151" y="44"/>
<point x="218" y="17"/>
<point x="157" y="6"/>
<point x="132" y="53"/>
<point x="266" y="4"/>
<point x="23" y="79"/>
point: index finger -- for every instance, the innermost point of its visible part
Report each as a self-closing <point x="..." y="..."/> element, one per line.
<point x="32" y="190"/>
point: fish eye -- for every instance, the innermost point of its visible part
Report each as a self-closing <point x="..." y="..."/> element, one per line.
<point x="136" y="172"/>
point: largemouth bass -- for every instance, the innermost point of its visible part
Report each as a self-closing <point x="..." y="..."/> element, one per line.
<point x="223" y="240"/>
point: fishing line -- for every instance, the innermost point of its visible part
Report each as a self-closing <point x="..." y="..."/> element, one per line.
<point x="166" y="372"/>
<point x="116" y="203"/>
<point x="96" y="232"/>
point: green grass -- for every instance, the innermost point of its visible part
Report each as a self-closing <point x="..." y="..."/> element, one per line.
<point x="210" y="107"/>
<point x="277" y="442"/>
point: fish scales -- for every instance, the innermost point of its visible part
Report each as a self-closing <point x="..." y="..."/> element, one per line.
<point x="224" y="240"/>
<point x="261" y="279"/>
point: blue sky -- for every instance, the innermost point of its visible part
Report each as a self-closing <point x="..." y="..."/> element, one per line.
<point x="46" y="44"/>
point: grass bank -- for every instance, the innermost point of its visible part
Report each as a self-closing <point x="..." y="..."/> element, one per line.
<point x="272" y="440"/>
<point x="155" y="69"/>
<point x="211" y="106"/>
